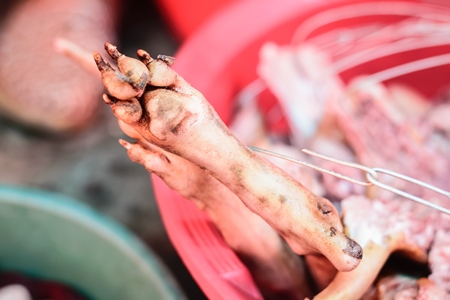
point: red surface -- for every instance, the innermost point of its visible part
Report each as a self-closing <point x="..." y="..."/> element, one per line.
<point x="220" y="59"/>
<point x="185" y="16"/>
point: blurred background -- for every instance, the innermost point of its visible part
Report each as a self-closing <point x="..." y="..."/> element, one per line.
<point x="78" y="155"/>
<point x="57" y="136"/>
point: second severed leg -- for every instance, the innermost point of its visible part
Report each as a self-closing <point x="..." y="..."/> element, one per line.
<point x="277" y="271"/>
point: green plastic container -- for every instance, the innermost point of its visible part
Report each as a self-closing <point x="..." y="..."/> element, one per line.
<point x="56" y="238"/>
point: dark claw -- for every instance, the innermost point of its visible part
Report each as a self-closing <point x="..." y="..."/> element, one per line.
<point x="169" y="60"/>
<point x="144" y="56"/>
<point x="109" y="99"/>
<point x="102" y="65"/>
<point x="112" y="51"/>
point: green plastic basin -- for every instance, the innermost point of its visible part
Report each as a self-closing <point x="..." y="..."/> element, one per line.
<point x="53" y="237"/>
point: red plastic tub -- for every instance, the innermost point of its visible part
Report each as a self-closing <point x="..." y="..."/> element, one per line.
<point x="184" y="17"/>
<point x="219" y="60"/>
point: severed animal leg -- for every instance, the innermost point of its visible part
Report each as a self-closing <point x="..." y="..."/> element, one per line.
<point x="177" y="118"/>
<point x="180" y="120"/>
<point x="275" y="268"/>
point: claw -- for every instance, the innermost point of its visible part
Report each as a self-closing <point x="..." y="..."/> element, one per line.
<point x="125" y="144"/>
<point x="112" y="51"/>
<point x="109" y="100"/>
<point x="144" y="56"/>
<point x="169" y="60"/>
<point x="102" y="65"/>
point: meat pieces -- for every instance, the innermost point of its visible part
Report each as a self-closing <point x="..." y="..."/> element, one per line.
<point x="367" y="104"/>
<point x="298" y="77"/>
<point x="397" y="287"/>
<point x="381" y="228"/>
<point x="439" y="258"/>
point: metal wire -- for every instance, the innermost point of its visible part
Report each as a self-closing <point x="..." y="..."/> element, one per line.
<point x="404" y="41"/>
<point x="371" y="175"/>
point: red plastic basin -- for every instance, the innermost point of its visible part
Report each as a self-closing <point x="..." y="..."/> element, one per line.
<point x="184" y="17"/>
<point x="219" y="60"/>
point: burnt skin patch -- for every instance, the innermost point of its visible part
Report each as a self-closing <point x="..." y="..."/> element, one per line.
<point x="282" y="199"/>
<point x="237" y="171"/>
<point x="323" y="207"/>
<point x="263" y="200"/>
<point x="353" y="249"/>
<point x="164" y="158"/>
<point x="332" y="231"/>
<point x="181" y="125"/>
